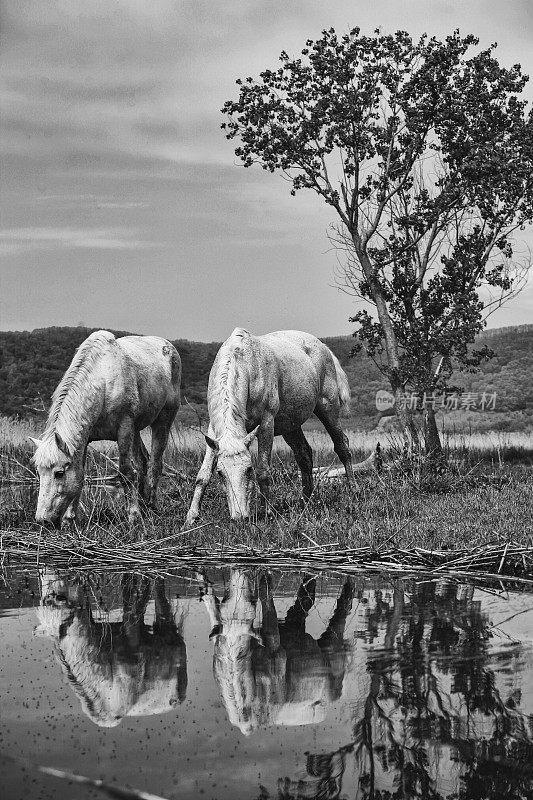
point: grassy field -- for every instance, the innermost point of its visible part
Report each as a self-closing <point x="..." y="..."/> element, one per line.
<point x="485" y="497"/>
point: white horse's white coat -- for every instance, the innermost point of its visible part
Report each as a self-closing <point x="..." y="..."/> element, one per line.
<point x="264" y="386"/>
<point x="112" y="389"/>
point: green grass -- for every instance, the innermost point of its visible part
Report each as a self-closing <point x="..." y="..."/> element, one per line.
<point x="485" y="497"/>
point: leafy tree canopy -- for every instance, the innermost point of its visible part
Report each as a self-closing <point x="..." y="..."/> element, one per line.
<point x="425" y="152"/>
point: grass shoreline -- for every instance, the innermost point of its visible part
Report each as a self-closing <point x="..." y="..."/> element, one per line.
<point x="483" y="504"/>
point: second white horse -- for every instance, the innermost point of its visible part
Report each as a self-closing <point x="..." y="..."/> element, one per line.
<point x="264" y="386"/>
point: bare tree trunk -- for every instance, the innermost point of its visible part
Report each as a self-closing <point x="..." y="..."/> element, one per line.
<point x="434" y="452"/>
<point x="405" y="416"/>
<point x="404" y="413"/>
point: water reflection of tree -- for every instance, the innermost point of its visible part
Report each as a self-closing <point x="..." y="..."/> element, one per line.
<point x="435" y="721"/>
<point x="432" y="631"/>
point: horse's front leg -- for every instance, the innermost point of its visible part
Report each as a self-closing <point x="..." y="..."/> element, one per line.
<point x="135" y="598"/>
<point x="71" y="513"/>
<point x="126" y="467"/>
<point x="211" y="604"/>
<point x="202" y="479"/>
<point x="265" y="441"/>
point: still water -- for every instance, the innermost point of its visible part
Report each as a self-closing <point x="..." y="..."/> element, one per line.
<point x="254" y="684"/>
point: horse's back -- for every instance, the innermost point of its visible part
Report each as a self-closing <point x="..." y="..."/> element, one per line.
<point x="293" y="344"/>
<point x="150" y="374"/>
<point x="308" y="370"/>
<point x="287" y="373"/>
<point x="149" y="349"/>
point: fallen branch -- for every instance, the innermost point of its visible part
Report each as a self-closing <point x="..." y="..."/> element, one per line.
<point x="111" y="790"/>
<point x="369" y="464"/>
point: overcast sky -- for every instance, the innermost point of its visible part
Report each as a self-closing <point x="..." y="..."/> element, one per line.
<point x="121" y="202"/>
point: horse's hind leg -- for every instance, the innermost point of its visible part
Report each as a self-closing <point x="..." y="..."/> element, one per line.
<point x="299" y="611"/>
<point x="304" y="458"/>
<point x="126" y="466"/>
<point x="141" y="459"/>
<point x="334" y="633"/>
<point x="160" y="432"/>
<point x="330" y="421"/>
<point x="163" y="611"/>
<point x="332" y="640"/>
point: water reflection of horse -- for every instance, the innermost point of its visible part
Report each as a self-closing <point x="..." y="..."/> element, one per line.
<point x="273" y="672"/>
<point x="116" y="669"/>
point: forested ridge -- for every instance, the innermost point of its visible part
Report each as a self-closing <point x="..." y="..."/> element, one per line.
<point x="32" y="364"/>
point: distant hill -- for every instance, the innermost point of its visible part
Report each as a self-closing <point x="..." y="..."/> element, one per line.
<point x="32" y="364"/>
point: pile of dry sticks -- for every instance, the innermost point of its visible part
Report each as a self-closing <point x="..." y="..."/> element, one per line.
<point x="497" y="561"/>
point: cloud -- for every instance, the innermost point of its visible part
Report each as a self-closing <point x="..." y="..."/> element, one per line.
<point x="125" y="77"/>
<point x="147" y="79"/>
<point x="67" y="201"/>
<point x="111" y="143"/>
<point x="19" y="240"/>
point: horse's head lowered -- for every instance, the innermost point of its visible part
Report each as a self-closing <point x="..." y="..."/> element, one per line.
<point x="60" y="480"/>
<point x="234" y="465"/>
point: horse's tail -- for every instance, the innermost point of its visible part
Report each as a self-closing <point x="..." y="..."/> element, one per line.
<point x="343" y="386"/>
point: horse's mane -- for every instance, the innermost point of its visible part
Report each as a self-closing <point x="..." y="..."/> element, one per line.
<point x="72" y="399"/>
<point x="86" y="661"/>
<point x="227" y="401"/>
<point x="87" y="694"/>
<point x="232" y="666"/>
<point x="109" y="684"/>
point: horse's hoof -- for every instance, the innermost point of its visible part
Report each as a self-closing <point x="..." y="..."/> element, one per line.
<point x="134" y="517"/>
<point x="188" y="524"/>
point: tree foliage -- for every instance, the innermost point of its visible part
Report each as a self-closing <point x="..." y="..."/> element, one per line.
<point x="425" y="152"/>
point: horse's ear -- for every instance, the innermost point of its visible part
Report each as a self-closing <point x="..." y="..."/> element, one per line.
<point x="257" y="636"/>
<point x="61" y="445"/>
<point x="35" y="442"/>
<point x="248" y="439"/>
<point x="216" y="630"/>
<point x="213" y="444"/>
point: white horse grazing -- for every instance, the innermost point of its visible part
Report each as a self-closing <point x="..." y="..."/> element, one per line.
<point x="112" y="390"/>
<point x="264" y="386"/>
